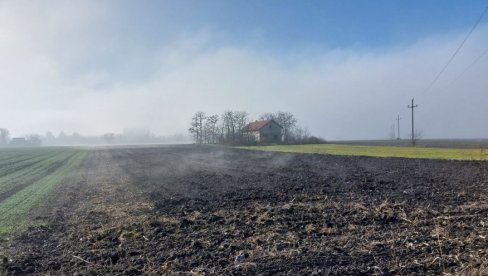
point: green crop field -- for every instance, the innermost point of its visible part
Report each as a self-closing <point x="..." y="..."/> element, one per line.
<point x="423" y="143"/>
<point x="381" y="151"/>
<point x="27" y="177"/>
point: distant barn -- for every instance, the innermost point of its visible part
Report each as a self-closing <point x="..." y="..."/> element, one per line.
<point x="266" y="131"/>
<point x="18" y="142"/>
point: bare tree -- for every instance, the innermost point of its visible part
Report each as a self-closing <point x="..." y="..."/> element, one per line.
<point x="267" y="116"/>
<point x="240" y="121"/>
<point x="197" y="127"/>
<point x="211" y="130"/>
<point x="34" y="139"/>
<point x="4" y="136"/>
<point x="49" y="138"/>
<point x="417" y="135"/>
<point x="287" y="121"/>
<point x="299" y="135"/>
<point x="228" y="125"/>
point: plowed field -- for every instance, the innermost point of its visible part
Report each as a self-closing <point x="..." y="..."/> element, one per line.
<point x="212" y="210"/>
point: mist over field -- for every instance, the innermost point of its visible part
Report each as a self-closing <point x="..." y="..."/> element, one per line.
<point x="94" y="67"/>
<point x="219" y="137"/>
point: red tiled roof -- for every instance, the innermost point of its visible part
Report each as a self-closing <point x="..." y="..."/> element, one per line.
<point x="257" y="125"/>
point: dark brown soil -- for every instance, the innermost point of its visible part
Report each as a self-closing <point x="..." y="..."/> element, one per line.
<point x="212" y="210"/>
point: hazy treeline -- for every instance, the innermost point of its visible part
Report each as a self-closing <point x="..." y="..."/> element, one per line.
<point x="27" y="140"/>
<point x="228" y="128"/>
<point x="4" y="136"/>
<point x="129" y="136"/>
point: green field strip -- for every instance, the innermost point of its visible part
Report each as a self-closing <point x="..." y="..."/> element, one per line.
<point x="26" y="157"/>
<point x="18" y="156"/>
<point x="32" y="174"/>
<point x="428" y="143"/>
<point x="29" y="171"/>
<point x="5" y="156"/>
<point x="15" y="167"/>
<point x="379" y="151"/>
<point x="16" y="211"/>
<point x="39" y="163"/>
<point x="6" y="153"/>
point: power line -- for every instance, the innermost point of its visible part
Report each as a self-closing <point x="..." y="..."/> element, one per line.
<point x="457" y="51"/>
<point x="413" y="125"/>
<point x="470" y="65"/>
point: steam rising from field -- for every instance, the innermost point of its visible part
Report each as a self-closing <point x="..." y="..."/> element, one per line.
<point x="68" y="67"/>
<point x="221" y="167"/>
<point x="215" y="159"/>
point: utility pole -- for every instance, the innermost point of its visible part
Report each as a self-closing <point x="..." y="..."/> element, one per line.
<point x="398" y="126"/>
<point x="413" y="126"/>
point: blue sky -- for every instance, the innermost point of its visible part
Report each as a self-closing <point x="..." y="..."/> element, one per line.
<point x="285" y="25"/>
<point x="274" y="28"/>
<point x="346" y="69"/>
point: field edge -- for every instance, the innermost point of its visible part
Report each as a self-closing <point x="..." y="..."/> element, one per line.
<point x="379" y="151"/>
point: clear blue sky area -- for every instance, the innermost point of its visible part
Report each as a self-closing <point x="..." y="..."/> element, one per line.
<point x="285" y="25"/>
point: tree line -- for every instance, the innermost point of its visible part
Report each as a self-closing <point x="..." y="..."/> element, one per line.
<point x="28" y="140"/>
<point x="228" y="128"/>
<point x="64" y="139"/>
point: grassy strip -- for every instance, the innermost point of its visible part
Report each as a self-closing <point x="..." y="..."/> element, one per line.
<point x="31" y="171"/>
<point x="5" y="165"/>
<point x="7" y="154"/>
<point x="15" y="211"/>
<point x="16" y="164"/>
<point x="427" y="143"/>
<point x="380" y="151"/>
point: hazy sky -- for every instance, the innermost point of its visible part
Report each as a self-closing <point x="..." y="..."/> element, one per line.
<point x="344" y="68"/>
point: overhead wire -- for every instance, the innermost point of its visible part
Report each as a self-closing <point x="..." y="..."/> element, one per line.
<point x="481" y="56"/>
<point x="457" y="50"/>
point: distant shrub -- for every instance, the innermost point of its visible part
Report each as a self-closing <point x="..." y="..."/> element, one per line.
<point x="315" y="140"/>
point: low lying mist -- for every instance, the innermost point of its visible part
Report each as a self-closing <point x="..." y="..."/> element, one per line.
<point x="129" y="136"/>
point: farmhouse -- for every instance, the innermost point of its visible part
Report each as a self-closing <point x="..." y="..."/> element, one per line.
<point x="266" y="131"/>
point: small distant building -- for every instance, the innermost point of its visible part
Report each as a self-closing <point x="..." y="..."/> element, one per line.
<point x="18" y="141"/>
<point x="266" y="131"/>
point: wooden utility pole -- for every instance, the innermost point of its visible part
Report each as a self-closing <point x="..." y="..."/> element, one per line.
<point x="413" y="125"/>
<point x="398" y="126"/>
